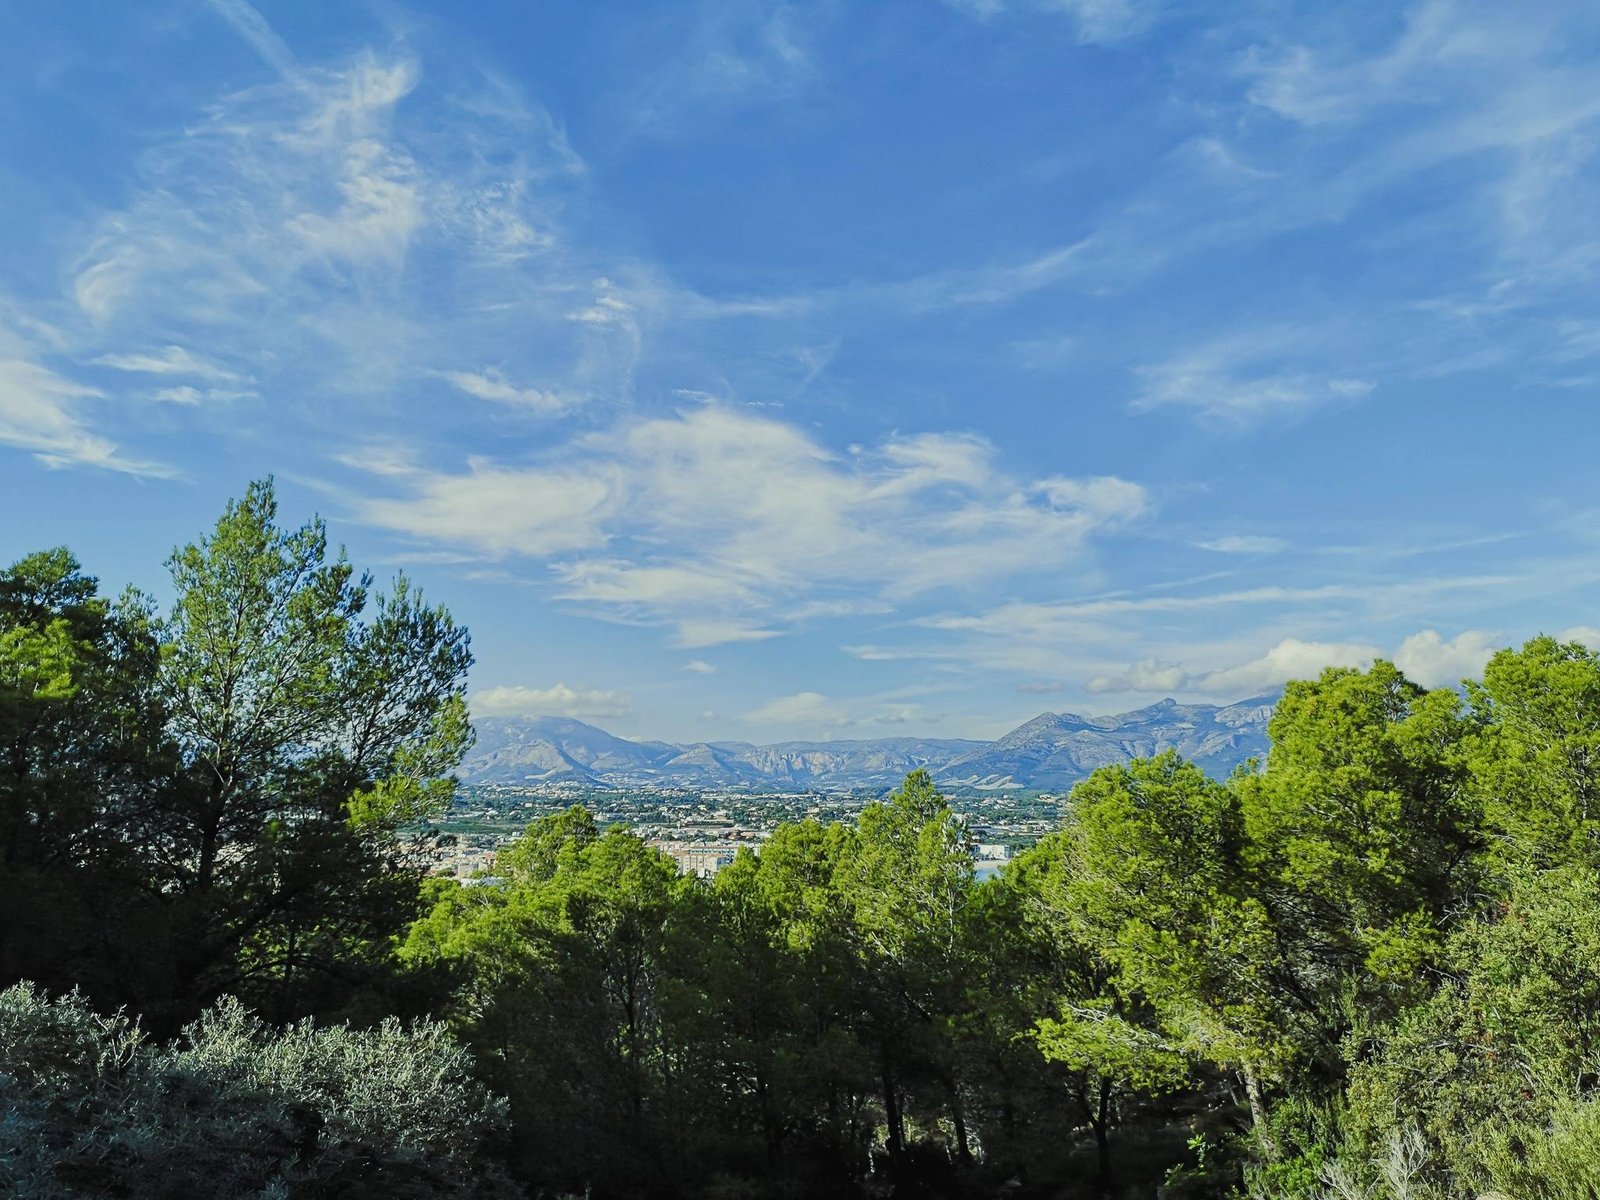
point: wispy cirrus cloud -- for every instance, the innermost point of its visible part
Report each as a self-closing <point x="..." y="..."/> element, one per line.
<point x="1020" y="617"/>
<point x="298" y="229"/>
<point x="169" y="360"/>
<point x="51" y="415"/>
<point x="249" y="24"/>
<point x="728" y="53"/>
<point x="1102" y="21"/>
<point x="302" y="176"/>
<point x="1243" y="380"/>
<point x="1237" y="543"/>
<point x="295" y="229"/>
<point x="36" y="414"/>
<point x="1509" y="97"/>
<point x="1187" y="642"/>
<point x="491" y="383"/>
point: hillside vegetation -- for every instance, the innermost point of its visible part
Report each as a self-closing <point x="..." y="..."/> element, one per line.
<point x="1369" y="967"/>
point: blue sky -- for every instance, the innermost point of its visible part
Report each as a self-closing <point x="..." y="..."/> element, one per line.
<point x="748" y="370"/>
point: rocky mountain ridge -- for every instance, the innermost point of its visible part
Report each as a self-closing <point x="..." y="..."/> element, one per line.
<point x="1050" y="752"/>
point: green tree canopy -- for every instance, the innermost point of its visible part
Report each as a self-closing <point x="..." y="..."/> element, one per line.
<point x="312" y="735"/>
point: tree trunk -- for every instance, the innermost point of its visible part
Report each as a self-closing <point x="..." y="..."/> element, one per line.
<point x="958" y="1115"/>
<point x="206" y="869"/>
<point x="286" y="984"/>
<point x="1258" y="1114"/>
<point x="771" y="1131"/>
<point x="1100" y="1122"/>
<point x="896" y="1135"/>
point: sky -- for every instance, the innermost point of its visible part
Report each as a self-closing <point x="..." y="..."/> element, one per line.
<point x="742" y="370"/>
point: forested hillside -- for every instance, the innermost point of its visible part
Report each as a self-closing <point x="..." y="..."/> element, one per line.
<point x="1367" y="967"/>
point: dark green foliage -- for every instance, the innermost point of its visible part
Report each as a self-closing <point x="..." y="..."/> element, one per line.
<point x="310" y="738"/>
<point x="86" y="769"/>
<point x="1508" y="1041"/>
<point x="218" y="802"/>
<point x="562" y="974"/>
<point x="1537" y="764"/>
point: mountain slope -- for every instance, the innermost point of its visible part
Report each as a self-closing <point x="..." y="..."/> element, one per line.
<point x="1055" y="750"/>
<point x="547" y="749"/>
<point x="1052" y="751"/>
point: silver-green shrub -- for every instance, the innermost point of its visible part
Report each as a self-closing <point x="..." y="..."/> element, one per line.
<point x="235" y="1108"/>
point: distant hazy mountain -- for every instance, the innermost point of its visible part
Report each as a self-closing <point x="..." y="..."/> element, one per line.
<point x="1055" y="750"/>
<point x="1052" y="751"/>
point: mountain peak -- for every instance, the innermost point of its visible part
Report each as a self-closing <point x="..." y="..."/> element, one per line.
<point x="1051" y="751"/>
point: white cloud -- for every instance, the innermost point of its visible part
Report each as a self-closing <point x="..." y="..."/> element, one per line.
<point x="1586" y="635"/>
<point x="862" y="607"/>
<point x="802" y="708"/>
<point x="699" y="666"/>
<point x="1425" y="657"/>
<point x="1038" y="619"/>
<point x="318" y="221"/>
<point x="249" y="24"/>
<point x="1433" y="662"/>
<point x="1244" y="544"/>
<point x="1440" y="41"/>
<point x="720" y="521"/>
<point x="170" y="360"/>
<point x="1493" y="86"/>
<point x="492" y="384"/>
<point x="1096" y="639"/>
<point x="696" y="634"/>
<point x="618" y="582"/>
<point x="283" y="180"/>
<point x="41" y="412"/>
<point x="1113" y="499"/>
<point x="381" y="207"/>
<point x="1289" y="659"/>
<point x="608" y="308"/>
<point x="183" y="394"/>
<point x="187" y="395"/>
<point x="869" y="653"/>
<point x="1151" y="675"/>
<point x="1242" y="380"/>
<point x="733" y="55"/>
<point x="501" y="510"/>
<point x="973" y="286"/>
<point x="902" y="714"/>
<point x="1097" y="20"/>
<point x="556" y="701"/>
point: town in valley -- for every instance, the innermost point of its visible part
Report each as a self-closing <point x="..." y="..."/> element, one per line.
<point x="701" y="830"/>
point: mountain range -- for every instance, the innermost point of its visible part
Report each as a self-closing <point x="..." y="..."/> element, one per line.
<point x="1051" y="753"/>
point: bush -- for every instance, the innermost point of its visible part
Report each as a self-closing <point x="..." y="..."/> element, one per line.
<point x="236" y="1108"/>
